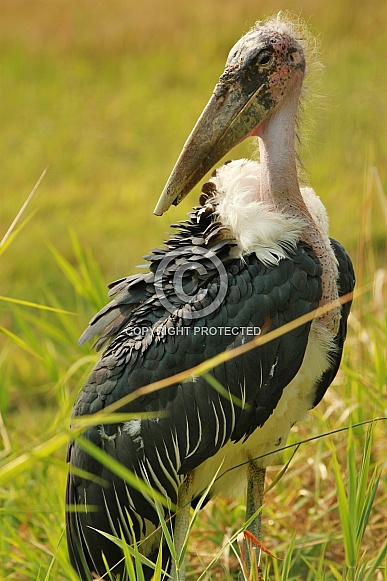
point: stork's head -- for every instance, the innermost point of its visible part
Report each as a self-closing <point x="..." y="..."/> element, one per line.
<point x="262" y="69"/>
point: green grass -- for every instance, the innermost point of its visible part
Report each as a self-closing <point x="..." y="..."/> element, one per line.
<point x="75" y="80"/>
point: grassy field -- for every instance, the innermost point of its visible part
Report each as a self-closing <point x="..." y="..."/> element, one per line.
<point x="104" y="95"/>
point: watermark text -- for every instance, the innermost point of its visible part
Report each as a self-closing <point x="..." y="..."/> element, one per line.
<point x="178" y="331"/>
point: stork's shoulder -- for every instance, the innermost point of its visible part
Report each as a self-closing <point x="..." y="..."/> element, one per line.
<point x="199" y="239"/>
<point x="346" y="285"/>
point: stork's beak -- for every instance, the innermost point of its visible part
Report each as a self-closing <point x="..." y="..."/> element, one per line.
<point x="234" y="111"/>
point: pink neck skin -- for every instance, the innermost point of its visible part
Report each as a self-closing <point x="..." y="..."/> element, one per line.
<point x="280" y="187"/>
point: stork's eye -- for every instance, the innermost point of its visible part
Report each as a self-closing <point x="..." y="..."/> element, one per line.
<point x="264" y="57"/>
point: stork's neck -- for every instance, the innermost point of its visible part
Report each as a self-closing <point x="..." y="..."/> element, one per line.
<point x="280" y="187"/>
<point x="279" y="180"/>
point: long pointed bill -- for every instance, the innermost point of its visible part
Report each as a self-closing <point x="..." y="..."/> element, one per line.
<point x="231" y="115"/>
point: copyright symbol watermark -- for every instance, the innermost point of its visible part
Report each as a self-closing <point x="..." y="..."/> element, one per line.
<point x="184" y="279"/>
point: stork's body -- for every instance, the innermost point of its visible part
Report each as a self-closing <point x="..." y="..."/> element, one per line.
<point x="265" y="259"/>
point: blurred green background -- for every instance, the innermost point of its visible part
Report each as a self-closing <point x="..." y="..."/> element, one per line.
<point x="105" y="93"/>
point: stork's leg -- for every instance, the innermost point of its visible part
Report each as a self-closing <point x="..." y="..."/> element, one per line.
<point x="181" y="524"/>
<point x="255" y="489"/>
<point x="254" y="501"/>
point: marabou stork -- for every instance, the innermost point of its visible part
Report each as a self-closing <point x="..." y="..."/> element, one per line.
<point x="254" y="255"/>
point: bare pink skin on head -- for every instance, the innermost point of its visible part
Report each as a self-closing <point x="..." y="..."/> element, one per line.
<point x="290" y="63"/>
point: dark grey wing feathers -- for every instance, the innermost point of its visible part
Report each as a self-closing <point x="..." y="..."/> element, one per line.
<point x="136" y="290"/>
